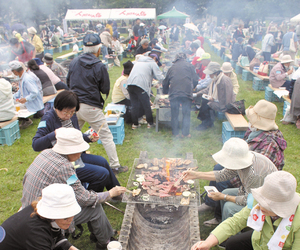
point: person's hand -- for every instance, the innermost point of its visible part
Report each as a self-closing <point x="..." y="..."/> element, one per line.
<point x="216" y="196"/>
<point x="290" y="71"/>
<point x="210" y="99"/>
<point x="189" y="175"/>
<point x="73" y="248"/>
<point x="116" y="191"/>
<point x="95" y="138"/>
<point x="200" y="245"/>
<point x="22" y="100"/>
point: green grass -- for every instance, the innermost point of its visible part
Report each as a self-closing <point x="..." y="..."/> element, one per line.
<point x="19" y="156"/>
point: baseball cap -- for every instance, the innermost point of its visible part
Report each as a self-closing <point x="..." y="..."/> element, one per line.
<point x="91" y="40"/>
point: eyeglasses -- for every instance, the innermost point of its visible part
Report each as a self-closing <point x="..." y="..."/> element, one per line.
<point x="69" y="113"/>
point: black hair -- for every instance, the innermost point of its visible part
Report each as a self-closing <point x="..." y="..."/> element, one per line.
<point x="66" y="99"/>
<point x="132" y="37"/>
<point x="251" y="40"/>
<point x="32" y="65"/>
<point x="13" y="41"/>
<point x="115" y="36"/>
<point x="194" y="46"/>
<point x="19" y="69"/>
<point x="152" y="42"/>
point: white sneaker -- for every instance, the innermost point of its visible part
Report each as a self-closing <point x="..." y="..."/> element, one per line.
<point x="204" y="208"/>
<point x="143" y="121"/>
<point x="212" y="222"/>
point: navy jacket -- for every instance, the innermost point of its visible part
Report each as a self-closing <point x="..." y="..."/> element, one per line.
<point x="45" y="133"/>
<point x="88" y="78"/>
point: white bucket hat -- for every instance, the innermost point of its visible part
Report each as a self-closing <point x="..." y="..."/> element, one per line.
<point x="262" y="115"/>
<point x="278" y="194"/>
<point x="69" y="141"/>
<point x="234" y="154"/>
<point x="58" y="202"/>
<point x="212" y="68"/>
<point x="31" y="30"/>
<point x="226" y="67"/>
<point x="286" y="59"/>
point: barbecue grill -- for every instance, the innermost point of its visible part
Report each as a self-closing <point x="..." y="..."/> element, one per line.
<point x="159" y="223"/>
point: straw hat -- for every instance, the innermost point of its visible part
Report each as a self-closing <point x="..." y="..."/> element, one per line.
<point x="31" y="30"/>
<point x="226" y="67"/>
<point x="278" y="194"/>
<point x="262" y="115"/>
<point x="234" y="154"/>
<point x="212" y="68"/>
<point x="69" y="141"/>
<point x="58" y="202"/>
<point x="286" y="59"/>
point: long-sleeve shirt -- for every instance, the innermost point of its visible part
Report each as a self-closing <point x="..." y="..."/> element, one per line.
<point x="267" y="43"/>
<point x="251" y="177"/>
<point x="37" y="43"/>
<point x="278" y="75"/>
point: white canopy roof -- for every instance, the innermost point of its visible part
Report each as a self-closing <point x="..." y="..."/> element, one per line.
<point x="88" y="14"/>
<point x="295" y="19"/>
<point x="99" y="14"/>
<point x="142" y="13"/>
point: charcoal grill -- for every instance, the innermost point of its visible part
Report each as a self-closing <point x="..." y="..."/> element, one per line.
<point x="159" y="224"/>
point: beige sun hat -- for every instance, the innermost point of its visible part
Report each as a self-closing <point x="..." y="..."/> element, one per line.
<point x="234" y="154"/>
<point x="226" y="67"/>
<point x="278" y="194"/>
<point x="212" y="68"/>
<point x="273" y="29"/>
<point x="286" y="59"/>
<point x="69" y="141"/>
<point x="262" y="115"/>
<point x="58" y="202"/>
<point x="31" y="30"/>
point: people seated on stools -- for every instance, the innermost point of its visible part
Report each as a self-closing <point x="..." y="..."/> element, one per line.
<point x="280" y="75"/>
<point x="263" y="135"/>
<point x="179" y="83"/>
<point x="120" y="94"/>
<point x="36" y="41"/>
<point x="248" y="50"/>
<point x="57" y="69"/>
<point x="58" y="84"/>
<point x="250" y="167"/>
<point x="237" y="49"/>
<point x="272" y="216"/>
<point x="7" y="108"/>
<point x="194" y="48"/>
<point x="228" y="71"/>
<point x="143" y="48"/>
<point x="139" y="85"/>
<point x="217" y="95"/>
<point x="93" y="169"/>
<point x="29" y="92"/>
<point x="200" y="64"/>
<point x="56" y="165"/>
<point x="23" y="51"/>
<point x="40" y="225"/>
<point x="47" y="85"/>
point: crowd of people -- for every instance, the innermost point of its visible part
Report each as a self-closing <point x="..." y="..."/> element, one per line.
<point x="253" y="191"/>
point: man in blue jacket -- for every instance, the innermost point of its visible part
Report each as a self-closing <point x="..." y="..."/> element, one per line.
<point x="88" y="78"/>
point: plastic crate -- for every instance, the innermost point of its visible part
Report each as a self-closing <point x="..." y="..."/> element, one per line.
<point x="221" y="116"/>
<point x="271" y="97"/>
<point x="226" y="59"/>
<point x="118" y="131"/>
<point x="58" y="50"/>
<point x="258" y="84"/>
<point x="48" y="51"/>
<point x="10" y="133"/>
<point x="238" y="69"/>
<point x="228" y="132"/>
<point x="286" y="104"/>
<point x="65" y="47"/>
<point x="120" y="57"/>
<point x="247" y="75"/>
<point x="233" y="63"/>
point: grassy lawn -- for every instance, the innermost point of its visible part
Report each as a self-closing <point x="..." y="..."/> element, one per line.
<point x="19" y="156"/>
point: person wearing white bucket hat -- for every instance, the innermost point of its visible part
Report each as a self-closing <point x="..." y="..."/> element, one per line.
<point x="40" y="225"/>
<point x="228" y="71"/>
<point x="280" y="75"/>
<point x="37" y="42"/>
<point x="263" y="135"/>
<point x="238" y="162"/>
<point x="272" y="213"/>
<point x="56" y="165"/>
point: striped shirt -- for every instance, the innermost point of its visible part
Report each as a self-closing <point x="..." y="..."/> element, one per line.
<point x="251" y="177"/>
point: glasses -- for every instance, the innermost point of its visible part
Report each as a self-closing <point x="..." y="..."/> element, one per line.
<point x="69" y="113"/>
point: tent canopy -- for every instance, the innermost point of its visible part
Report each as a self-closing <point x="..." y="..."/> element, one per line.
<point x="295" y="19"/>
<point x="173" y="14"/>
<point x="114" y="14"/>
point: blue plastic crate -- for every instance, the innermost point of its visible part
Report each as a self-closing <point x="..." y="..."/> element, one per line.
<point x="228" y="132"/>
<point x="233" y="63"/>
<point x="65" y="47"/>
<point x="238" y="69"/>
<point x="120" y="57"/>
<point x="286" y="104"/>
<point x="258" y="84"/>
<point x="118" y="131"/>
<point x="10" y="133"/>
<point x="48" y="51"/>
<point x="247" y="75"/>
<point x="221" y="116"/>
<point x="58" y="50"/>
<point x="271" y="97"/>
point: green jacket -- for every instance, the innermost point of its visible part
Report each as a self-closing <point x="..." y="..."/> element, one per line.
<point x="235" y="224"/>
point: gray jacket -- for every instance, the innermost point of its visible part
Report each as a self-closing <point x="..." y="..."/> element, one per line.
<point x="143" y="72"/>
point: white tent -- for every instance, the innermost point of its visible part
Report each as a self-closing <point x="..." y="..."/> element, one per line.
<point x="295" y="19"/>
<point x="88" y="14"/>
<point x="142" y="13"/>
